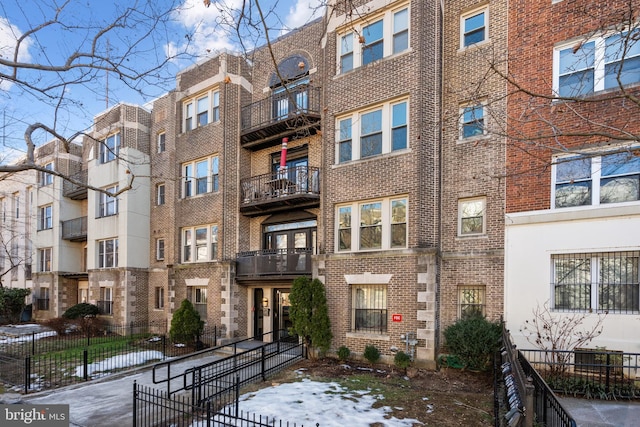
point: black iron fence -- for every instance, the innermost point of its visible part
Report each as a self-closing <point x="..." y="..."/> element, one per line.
<point x="589" y="373"/>
<point x="46" y="362"/>
<point x="208" y="394"/>
<point x="522" y="398"/>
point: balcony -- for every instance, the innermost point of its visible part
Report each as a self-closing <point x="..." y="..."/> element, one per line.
<point x="298" y="187"/>
<point x="75" y="230"/>
<point x="264" y="123"/>
<point x="75" y="191"/>
<point x="273" y="263"/>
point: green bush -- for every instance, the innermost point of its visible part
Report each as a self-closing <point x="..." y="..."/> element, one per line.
<point x="309" y="314"/>
<point x="402" y="360"/>
<point x="12" y="303"/>
<point x="371" y="353"/>
<point x="186" y="325"/>
<point x="344" y="353"/>
<point x="474" y="340"/>
<point x="81" y="310"/>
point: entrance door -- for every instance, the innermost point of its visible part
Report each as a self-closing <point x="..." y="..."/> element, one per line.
<point x="258" y="315"/>
<point x="281" y="319"/>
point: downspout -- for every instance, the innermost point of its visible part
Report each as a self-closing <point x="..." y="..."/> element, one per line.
<point x="440" y="67"/>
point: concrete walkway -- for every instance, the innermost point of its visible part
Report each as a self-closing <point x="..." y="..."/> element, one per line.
<point x="603" y="413"/>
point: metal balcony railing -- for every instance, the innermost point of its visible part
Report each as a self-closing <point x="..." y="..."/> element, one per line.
<point x="74" y="191"/>
<point x="274" y="262"/>
<point x="75" y="229"/>
<point x="298" y="187"/>
<point x="268" y="120"/>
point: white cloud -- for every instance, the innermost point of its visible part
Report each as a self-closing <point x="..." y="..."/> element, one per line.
<point x="206" y="28"/>
<point x="303" y="11"/>
<point x="9" y="35"/>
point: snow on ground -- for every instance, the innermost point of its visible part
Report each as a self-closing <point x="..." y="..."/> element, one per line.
<point x="120" y="361"/>
<point x="309" y="402"/>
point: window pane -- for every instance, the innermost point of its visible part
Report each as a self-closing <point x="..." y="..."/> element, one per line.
<point x="344" y="228"/>
<point x="374" y="46"/>
<point x="577" y="194"/>
<point x="621" y="189"/>
<point x="370" y="308"/>
<point x="573" y="60"/>
<point x="201" y="174"/>
<point x="371" y="131"/>
<point x="201" y="244"/>
<point x="203" y="111"/>
<point x="472" y="121"/>
<point x="398" y="223"/>
<point x="572" y="283"/>
<point x="573" y="169"/>
<point x="474" y="29"/>
<point x="399" y="126"/>
<point x="371" y="226"/>
<point x="617" y="43"/>
<point x="346" y="53"/>
<point x="577" y="84"/>
<point x="620" y="164"/>
<point x="400" y="31"/>
<point x="345" y="153"/>
<point x="628" y="71"/>
<point x="618" y="283"/>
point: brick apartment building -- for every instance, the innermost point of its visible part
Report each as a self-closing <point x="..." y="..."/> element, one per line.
<point x="573" y="167"/>
<point x="390" y="190"/>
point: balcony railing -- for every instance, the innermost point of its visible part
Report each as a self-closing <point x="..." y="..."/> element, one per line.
<point x="266" y="122"/>
<point x="75" y="229"/>
<point x="296" y="187"/>
<point x="274" y="262"/>
<point x="74" y="191"/>
<point x="106" y="307"/>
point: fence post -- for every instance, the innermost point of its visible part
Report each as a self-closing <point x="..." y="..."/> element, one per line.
<point x="608" y="371"/>
<point x="85" y="362"/>
<point x="164" y="346"/>
<point x="208" y="413"/>
<point x="33" y="343"/>
<point x="237" y="394"/>
<point x="131" y="328"/>
<point x="27" y="374"/>
<point x="264" y="377"/>
<point x="135" y="398"/>
<point x="529" y="403"/>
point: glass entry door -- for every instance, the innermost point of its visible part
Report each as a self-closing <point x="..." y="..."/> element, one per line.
<point x="281" y="319"/>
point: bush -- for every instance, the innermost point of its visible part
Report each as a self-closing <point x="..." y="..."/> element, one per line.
<point x="402" y="360"/>
<point x="474" y="340"/>
<point x="57" y="324"/>
<point x="371" y="353"/>
<point x="344" y="353"/>
<point x="90" y="326"/>
<point x="186" y="325"/>
<point x="81" y="310"/>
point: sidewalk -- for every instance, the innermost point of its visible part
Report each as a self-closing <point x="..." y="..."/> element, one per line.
<point x="603" y="413"/>
<point x="104" y="402"/>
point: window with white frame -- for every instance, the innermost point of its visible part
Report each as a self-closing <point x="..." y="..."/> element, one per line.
<point x="108" y="253"/>
<point x="160" y="194"/>
<point x="162" y="136"/>
<point x="378" y="130"/>
<point x="108" y="204"/>
<point x="159" y="249"/>
<point x="200" y="177"/>
<point x="474" y="27"/>
<point x="372" y="39"/>
<point x="105" y="304"/>
<point x="109" y="148"/>
<point x="45" y="219"/>
<point x="46" y="178"/>
<point x="472" y="216"/>
<point x="607" y="61"/>
<point x="369" y="308"/>
<point x="201" y="110"/>
<point x="471" y="301"/>
<point x="44" y="259"/>
<point x="595" y="180"/>
<point x="200" y="244"/>
<point x="159" y="298"/>
<point x="472" y="123"/>
<point x="3" y="210"/>
<point x="604" y="282"/>
<point x="381" y="224"/>
<point x="198" y="298"/>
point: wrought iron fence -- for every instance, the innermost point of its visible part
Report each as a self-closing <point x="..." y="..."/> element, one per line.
<point x="44" y="362"/>
<point x="208" y="394"/>
<point x="590" y="373"/>
<point x="521" y="395"/>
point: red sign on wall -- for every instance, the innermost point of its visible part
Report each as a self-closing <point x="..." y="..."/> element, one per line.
<point x="396" y="317"/>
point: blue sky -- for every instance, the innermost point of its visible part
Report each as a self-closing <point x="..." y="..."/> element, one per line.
<point x="192" y="28"/>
